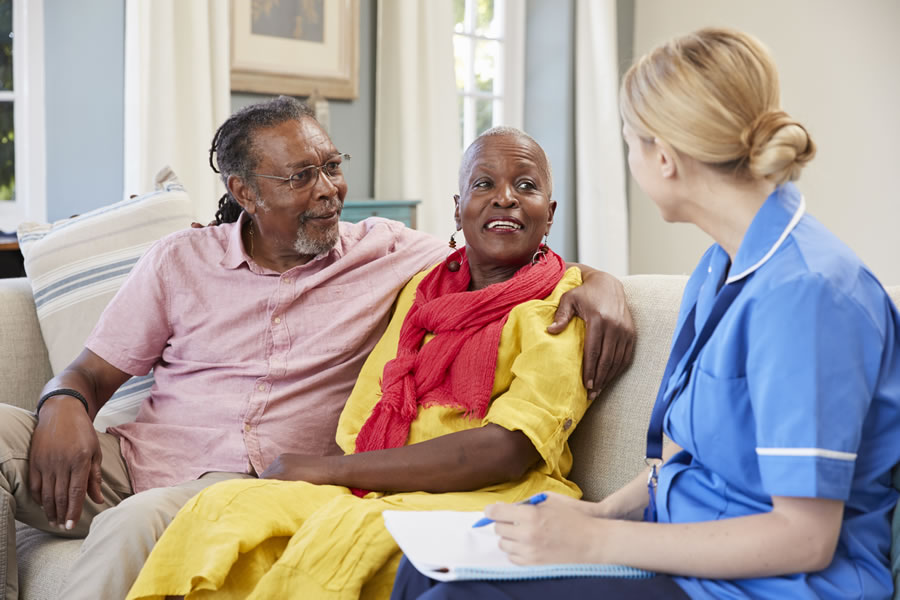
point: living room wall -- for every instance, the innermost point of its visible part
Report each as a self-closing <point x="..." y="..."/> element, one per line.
<point x="84" y="45"/>
<point x="839" y="76"/>
<point x="84" y="51"/>
<point x="352" y="121"/>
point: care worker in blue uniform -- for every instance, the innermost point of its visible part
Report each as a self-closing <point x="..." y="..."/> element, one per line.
<point x="782" y="392"/>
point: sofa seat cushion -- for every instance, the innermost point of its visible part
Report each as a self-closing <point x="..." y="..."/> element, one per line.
<point x="44" y="560"/>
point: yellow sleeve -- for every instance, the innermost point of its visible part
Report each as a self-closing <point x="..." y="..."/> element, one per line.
<point x="367" y="390"/>
<point x="538" y="388"/>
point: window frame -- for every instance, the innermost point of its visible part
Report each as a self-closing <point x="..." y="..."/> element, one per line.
<point x="512" y="68"/>
<point x="27" y="97"/>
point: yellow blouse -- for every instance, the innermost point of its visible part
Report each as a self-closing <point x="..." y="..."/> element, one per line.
<point x="537" y="387"/>
<point x="292" y="539"/>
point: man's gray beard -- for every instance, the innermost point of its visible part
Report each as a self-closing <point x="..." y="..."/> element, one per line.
<point x="305" y="245"/>
<point x="308" y="246"/>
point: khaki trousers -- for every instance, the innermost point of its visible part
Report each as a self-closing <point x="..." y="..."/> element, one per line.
<point x="121" y="531"/>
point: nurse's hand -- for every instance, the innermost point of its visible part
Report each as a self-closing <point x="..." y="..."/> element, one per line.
<point x="558" y="530"/>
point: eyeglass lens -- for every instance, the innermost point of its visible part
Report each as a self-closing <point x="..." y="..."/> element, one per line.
<point x="307" y="176"/>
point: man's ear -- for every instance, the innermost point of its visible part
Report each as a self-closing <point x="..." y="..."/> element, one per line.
<point x="456" y="212"/>
<point x="241" y="192"/>
<point x="665" y="157"/>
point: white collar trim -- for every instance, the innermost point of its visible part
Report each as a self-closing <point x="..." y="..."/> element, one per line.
<point x="798" y="214"/>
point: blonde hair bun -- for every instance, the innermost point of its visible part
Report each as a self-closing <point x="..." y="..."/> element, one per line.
<point x="713" y="95"/>
<point x="777" y="147"/>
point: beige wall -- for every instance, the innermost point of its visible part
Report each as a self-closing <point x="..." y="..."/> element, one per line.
<point x="840" y="74"/>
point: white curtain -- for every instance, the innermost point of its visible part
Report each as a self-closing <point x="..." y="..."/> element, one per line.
<point x="602" y="222"/>
<point x="416" y="123"/>
<point x="177" y="92"/>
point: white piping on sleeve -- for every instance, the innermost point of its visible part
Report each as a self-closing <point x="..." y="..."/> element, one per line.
<point x="816" y="452"/>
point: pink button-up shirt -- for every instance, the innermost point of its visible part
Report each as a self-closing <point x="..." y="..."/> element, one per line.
<point x="249" y="363"/>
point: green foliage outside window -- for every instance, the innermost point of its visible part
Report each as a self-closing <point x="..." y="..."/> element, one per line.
<point x="7" y="128"/>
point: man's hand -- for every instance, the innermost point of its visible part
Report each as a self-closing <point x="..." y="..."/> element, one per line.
<point x="65" y="461"/>
<point x="558" y="530"/>
<point x="196" y="225"/>
<point x="609" y="331"/>
<point x="301" y="467"/>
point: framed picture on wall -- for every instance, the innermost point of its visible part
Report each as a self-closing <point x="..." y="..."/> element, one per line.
<point x="295" y="47"/>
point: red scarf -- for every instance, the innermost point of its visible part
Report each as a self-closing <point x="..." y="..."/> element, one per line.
<point x="456" y="368"/>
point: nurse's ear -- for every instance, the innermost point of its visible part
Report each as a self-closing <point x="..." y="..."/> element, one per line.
<point x="666" y="159"/>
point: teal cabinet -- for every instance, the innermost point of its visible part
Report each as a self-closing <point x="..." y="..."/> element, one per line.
<point x="398" y="210"/>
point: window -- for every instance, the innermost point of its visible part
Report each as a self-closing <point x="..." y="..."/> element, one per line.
<point x="488" y="47"/>
<point x="22" y="185"/>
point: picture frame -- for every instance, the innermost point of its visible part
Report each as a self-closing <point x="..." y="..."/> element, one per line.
<point x="295" y="47"/>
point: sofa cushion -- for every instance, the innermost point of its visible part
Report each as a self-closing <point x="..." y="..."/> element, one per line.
<point x="610" y="441"/>
<point x="75" y="267"/>
<point x="24" y="366"/>
<point x="43" y="560"/>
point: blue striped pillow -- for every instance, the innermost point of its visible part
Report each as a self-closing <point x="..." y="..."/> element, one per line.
<point x="76" y="266"/>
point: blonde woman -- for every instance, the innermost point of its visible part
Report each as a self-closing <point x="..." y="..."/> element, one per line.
<point x="782" y="393"/>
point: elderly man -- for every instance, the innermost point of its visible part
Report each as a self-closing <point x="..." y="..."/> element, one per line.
<point x="255" y="330"/>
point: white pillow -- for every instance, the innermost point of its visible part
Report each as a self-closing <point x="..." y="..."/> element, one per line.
<point x="75" y="267"/>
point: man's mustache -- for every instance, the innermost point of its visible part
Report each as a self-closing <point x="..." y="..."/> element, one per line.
<point x="322" y="211"/>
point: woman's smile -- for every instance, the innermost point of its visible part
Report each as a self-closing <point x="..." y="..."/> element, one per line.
<point x="504" y="225"/>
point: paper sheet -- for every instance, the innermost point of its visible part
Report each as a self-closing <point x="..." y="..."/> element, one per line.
<point x="445" y="540"/>
<point x="443" y="546"/>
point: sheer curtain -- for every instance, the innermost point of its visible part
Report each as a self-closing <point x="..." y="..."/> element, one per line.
<point x="602" y="204"/>
<point x="177" y="92"/>
<point x="416" y="124"/>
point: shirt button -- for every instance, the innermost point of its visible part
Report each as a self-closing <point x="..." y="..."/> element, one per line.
<point x="567" y="424"/>
<point x="247" y="427"/>
<point x="286" y="280"/>
<point x="261" y="388"/>
<point x="277" y="320"/>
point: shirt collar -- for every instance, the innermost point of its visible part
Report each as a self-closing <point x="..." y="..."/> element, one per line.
<point x="236" y="254"/>
<point x="772" y="224"/>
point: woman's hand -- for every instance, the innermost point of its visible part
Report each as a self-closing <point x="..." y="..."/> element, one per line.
<point x="558" y="530"/>
<point x="799" y="535"/>
<point x="609" y="331"/>
<point x="301" y="467"/>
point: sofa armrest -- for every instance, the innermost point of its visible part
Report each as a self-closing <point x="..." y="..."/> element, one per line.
<point x="24" y="364"/>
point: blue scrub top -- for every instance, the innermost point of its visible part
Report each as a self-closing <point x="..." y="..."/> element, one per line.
<point x="797" y="393"/>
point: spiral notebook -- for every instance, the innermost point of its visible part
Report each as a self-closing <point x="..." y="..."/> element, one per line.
<point x="443" y="545"/>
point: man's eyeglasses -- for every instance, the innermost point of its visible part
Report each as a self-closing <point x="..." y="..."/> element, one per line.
<point x="307" y="177"/>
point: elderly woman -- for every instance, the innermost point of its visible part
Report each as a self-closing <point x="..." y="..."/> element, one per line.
<point x="466" y="400"/>
<point x="782" y="393"/>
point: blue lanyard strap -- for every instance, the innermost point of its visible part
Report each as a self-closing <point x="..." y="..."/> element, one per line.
<point x="682" y="342"/>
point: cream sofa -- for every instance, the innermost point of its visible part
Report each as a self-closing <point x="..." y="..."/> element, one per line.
<point x="608" y="445"/>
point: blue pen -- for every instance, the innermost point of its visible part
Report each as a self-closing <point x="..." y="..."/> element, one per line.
<point x="536" y="499"/>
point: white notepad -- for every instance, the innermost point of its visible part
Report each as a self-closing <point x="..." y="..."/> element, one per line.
<point x="444" y="546"/>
